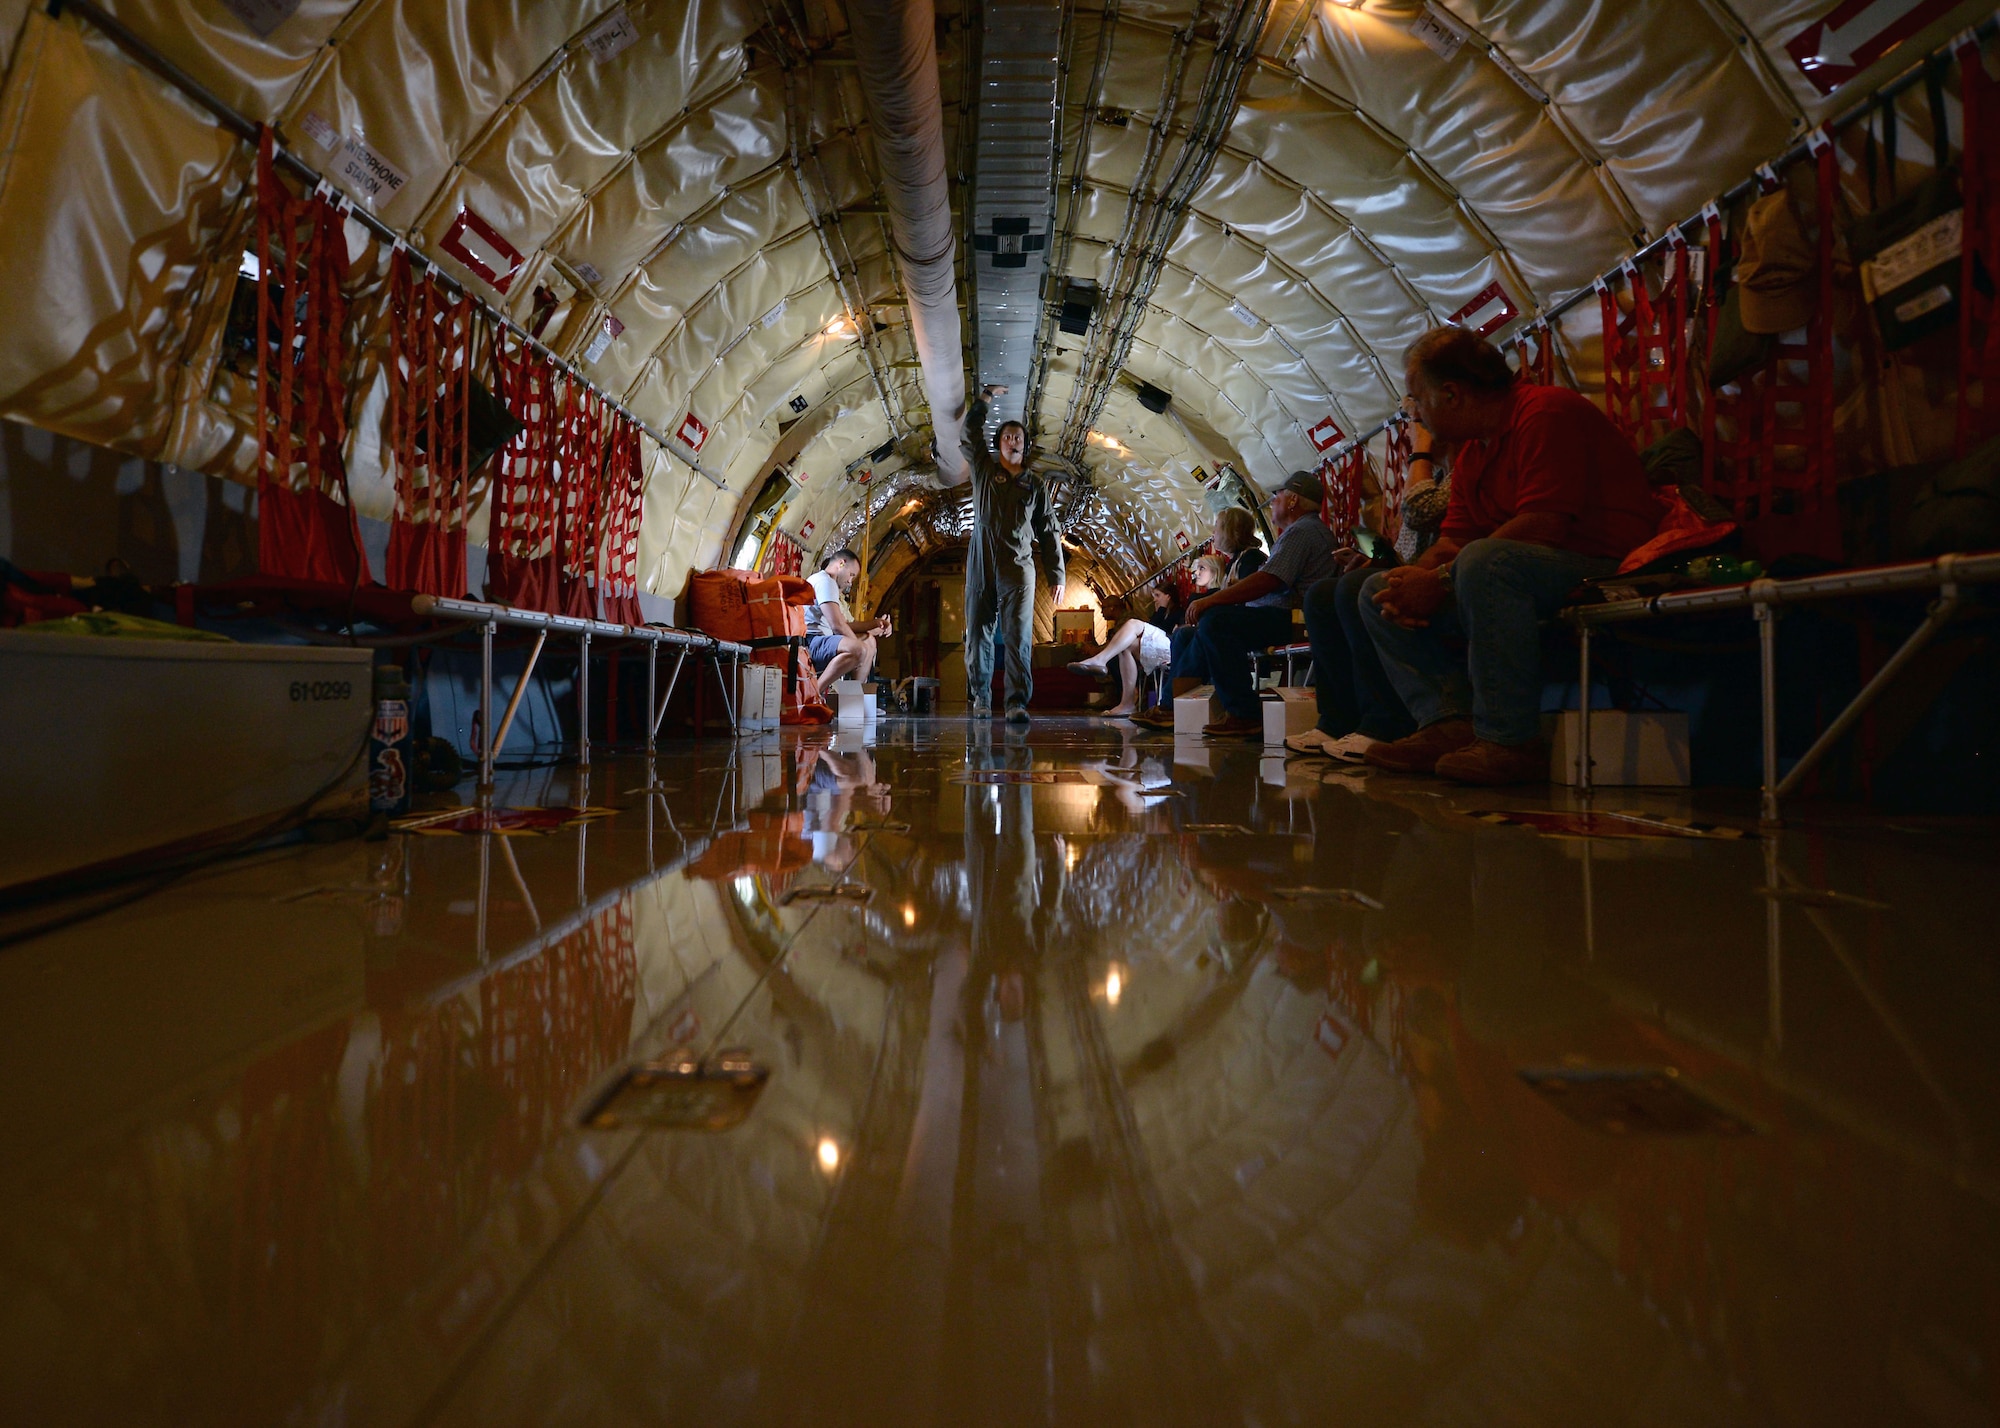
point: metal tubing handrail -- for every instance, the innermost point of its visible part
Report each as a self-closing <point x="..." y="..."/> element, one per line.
<point x="1975" y="569"/>
<point x="1762" y="598"/>
<point x="483" y="613"/>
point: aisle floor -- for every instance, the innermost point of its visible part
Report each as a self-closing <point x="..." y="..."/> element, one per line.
<point x="1111" y="1080"/>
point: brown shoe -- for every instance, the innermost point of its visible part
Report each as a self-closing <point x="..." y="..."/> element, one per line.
<point x="1230" y="727"/>
<point x="1160" y="718"/>
<point x="1420" y="752"/>
<point x="1494" y="765"/>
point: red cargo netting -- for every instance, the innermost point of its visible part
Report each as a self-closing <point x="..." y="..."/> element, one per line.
<point x="1767" y="438"/>
<point x="1645" y="351"/>
<point x="782" y="556"/>
<point x="1979" y="258"/>
<point x="1395" y="477"/>
<point x="579" y="486"/>
<point x="521" y="531"/>
<point x="1341" y="479"/>
<point x="305" y="528"/>
<point x="432" y="340"/>
<point x="624" y="507"/>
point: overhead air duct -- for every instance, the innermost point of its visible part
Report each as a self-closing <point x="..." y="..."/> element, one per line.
<point x="895" y="51"/>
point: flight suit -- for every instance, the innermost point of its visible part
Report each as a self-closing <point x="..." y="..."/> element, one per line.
<point x="1013" y="520"/>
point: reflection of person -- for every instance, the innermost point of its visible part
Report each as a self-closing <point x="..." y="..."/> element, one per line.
<point x="1013" y="520"/>
<point x="1546" y="493"/>
<point x="838" y="648"/>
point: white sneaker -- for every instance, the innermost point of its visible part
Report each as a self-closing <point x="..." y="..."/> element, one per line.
<point x="1313" y="742"/>
<point x="1350" y="749"/>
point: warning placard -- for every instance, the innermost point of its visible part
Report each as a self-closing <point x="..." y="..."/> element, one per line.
<point x="1324" y="434"/>
<point x="692" y="433"/>
<point x="1489" y="311"/>
<point x="1856" y="33"/>
<point x="478" y="244"/>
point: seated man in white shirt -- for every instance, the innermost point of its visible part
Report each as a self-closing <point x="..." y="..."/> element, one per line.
<point x="838" y="649"/>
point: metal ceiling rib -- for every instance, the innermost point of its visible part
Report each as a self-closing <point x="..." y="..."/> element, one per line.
<point x="1012" y="195"/>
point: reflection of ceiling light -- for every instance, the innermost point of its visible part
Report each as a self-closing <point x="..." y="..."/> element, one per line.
<point x="1114" y="986"/>
<point x="829" y="1154"/>
<point x="909" y="914"/>
<point x="1350" y="4"/>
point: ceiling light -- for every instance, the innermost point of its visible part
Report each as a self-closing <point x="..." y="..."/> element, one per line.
<point x="829" y="1154"/>
<point x="1114" y="986"/>
<point x="909" y="914"/>
<point x="840" y="327"/>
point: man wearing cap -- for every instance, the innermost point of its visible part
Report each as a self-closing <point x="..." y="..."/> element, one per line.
<point x="1256" y="612"/>
<point x="1546" y="494"/>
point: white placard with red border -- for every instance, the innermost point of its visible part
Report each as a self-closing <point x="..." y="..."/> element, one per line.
<point x="1854" y="34"/>
<point x="805" y="530"/>
<point x="1181" y="539"/>
<point x="692" y="432"/>
<point x="1489" y="311"/>
<point x="478" y="244"/>
<point x="1324" y="434"/>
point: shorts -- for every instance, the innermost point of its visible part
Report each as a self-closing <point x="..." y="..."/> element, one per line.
<point x="822" y="649"/>
<point x="1154" y="649"/>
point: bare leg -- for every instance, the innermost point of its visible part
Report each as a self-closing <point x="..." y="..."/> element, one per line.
<point x="1128" y="673"/>
<point x="1122" y="639"/>
<point x="847" y="660"/>
<point x="867" y="664"/>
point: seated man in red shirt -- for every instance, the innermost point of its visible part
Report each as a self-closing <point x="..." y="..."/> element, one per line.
<point x="1545" y="494"/>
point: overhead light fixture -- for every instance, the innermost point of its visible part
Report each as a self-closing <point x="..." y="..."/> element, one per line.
<point x="840" y="327"/>
<point x="829" y="1154"/>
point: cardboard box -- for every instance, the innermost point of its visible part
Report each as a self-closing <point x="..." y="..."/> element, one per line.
<point x="1196" y="709"/>
<point x="760" y="697"/>
<point x="1288" y="711"/>
<point x="852" y="701"/>
<point x="1636" y="748"/>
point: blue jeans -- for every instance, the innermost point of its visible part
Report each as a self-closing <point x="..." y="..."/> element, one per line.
<point x="1002" y="610"/>
<point x="1355" y="696"/>
<point x="1226" y="636"/>
<point x="1504" y="589"/>
<point x="1188" y="662"/>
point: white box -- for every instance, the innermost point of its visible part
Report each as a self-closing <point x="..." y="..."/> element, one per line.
<point x="1635" y="748"/>
<point x="850" y="697"/>
<point x="121" y="746"/>
<point x="1194" y="710"/>
<point x="1288" y="711"/>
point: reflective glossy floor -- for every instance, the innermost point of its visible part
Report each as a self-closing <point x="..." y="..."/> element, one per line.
<point x="1111" y="1081"/>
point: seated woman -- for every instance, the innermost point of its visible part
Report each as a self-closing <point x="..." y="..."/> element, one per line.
<point x="1142" y="646"/>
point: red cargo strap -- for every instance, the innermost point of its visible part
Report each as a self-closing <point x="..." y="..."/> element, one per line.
<point x="305" y="528"/>
<point x="1340" y="484"/>
<point x="1395" y="478"/>
<point x="1645" y="351"/>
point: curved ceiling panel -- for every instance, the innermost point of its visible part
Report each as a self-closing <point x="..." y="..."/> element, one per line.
<point x="701" y="171"/>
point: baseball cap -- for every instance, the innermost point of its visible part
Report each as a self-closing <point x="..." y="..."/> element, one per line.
<point x="1303" y="483"/>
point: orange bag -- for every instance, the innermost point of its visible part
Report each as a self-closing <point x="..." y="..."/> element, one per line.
<point x="718" y="605"/>
<point x="743" y="606"/>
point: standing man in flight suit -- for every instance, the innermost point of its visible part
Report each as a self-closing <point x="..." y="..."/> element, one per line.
<point x="1013" y="518"/>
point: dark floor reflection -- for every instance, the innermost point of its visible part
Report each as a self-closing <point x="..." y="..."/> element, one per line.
<point x="1124" y="1080"/>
